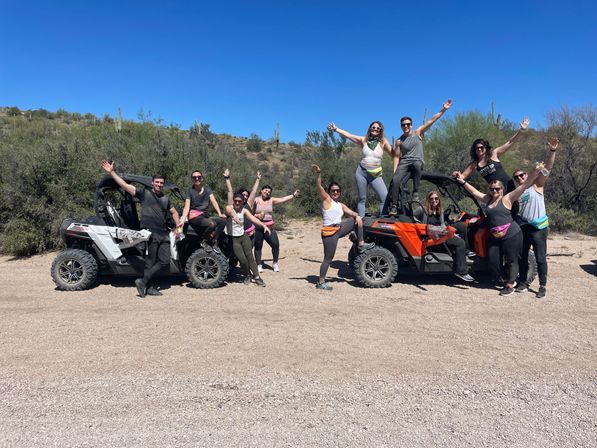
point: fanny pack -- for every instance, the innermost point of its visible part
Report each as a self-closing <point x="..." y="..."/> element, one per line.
<point x="250" y="230"/>
<point x="500" y="231"/>
<point x="194" y="214"/>
<point x="269" y="224"/>
<point x="540" y="223"/>
<point x="375" y="172"/>
<point x="329" y="230"/>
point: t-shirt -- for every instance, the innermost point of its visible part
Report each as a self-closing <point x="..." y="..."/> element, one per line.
<point x="154" y="210"/>
<point x="200" y="200"/>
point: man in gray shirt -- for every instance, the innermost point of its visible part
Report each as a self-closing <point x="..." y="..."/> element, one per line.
<point x="154" y="209"/>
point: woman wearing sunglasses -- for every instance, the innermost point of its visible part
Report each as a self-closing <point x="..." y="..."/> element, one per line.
<point x="334" y="227"/>
<point x="506" y="236"/>
<point x="369" y="171"/>
<point x="434" y="215"/>
<point x="196" y="209"/>
<point x="486" y="160"/>
<point x="241" y="243"/>
<point x="248" y="199"/>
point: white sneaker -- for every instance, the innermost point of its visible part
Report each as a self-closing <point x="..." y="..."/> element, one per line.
<point x="276" y="267"/>
<point x="260" y="268"/>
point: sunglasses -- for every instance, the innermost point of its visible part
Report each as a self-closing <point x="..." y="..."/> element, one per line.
<point x="375" y="128"/>
<point x="197" y="177"/>
<point x="495" y="189"/>
<point x="480" y="147"/>
<point x="520" y="175"/>
<point x="434" y="199"/>
<point x="405" y="124"/>
<point x="240" y="201"/>
<point x="335" y="190"/>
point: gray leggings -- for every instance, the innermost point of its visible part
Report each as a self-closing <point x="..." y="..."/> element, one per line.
<point x="365" y="179"/>
<point x="330" y="243"/>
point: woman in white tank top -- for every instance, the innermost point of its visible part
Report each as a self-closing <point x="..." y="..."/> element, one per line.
<point x="369" y="171"/>
<point x="334" y="227"/>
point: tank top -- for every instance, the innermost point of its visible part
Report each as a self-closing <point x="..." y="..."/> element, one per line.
<point x="532" y="208"/>
<point x="411" y="148"/>
<point x="266" y="207"/>
<point x="499" y="216"/>
<point x="237" y="229"/>
<point x="333" y="215"/>
<point x="495" y="171"/>
<point x="371" y="157"/>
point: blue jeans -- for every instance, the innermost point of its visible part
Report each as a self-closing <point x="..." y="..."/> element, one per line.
<point x="364" y="179"/>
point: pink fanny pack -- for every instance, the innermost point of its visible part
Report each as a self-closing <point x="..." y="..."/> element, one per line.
<point x="268" y="223"/>
<point x="249" y="230"/>
<point x="195" y="214"/>
<point x="500" y="231"/>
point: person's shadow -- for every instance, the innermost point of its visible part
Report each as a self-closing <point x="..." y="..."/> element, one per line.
<point x="590" y="268"/>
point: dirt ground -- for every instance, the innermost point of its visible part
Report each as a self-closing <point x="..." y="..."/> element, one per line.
<point x="426" y="362"/>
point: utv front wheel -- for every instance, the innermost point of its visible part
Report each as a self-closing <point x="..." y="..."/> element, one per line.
<point x="206" y="270"/>
<point x="74" y="270"/>
<point x="375" y="268"/>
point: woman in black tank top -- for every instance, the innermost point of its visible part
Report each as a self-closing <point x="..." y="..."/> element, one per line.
<point x="506" y="237"/>
<point x="486" y="160"/>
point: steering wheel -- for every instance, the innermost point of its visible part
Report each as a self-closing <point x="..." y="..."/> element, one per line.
<point x="447" y="212"/>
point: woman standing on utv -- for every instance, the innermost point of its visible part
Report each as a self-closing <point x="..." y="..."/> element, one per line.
<point x="196" y="208"/>
<point x="434" y="215"/>
<point x="369" y="171"/>
<point x="486" y="160"/>
<point x="334" y="227"/>
<point x="506" y="236"/>
<point x="264" y="206"/>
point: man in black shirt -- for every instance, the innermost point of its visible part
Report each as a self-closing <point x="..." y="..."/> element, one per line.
<point x="154" y="209"/>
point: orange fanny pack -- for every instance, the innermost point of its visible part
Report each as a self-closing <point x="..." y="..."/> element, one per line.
<point x="329" y="230"/>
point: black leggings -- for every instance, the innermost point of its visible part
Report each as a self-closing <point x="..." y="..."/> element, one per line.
<point x="272" y="240"/>
<point x="537" y="239"/>
<point x="510" y="248"/>
<point x="158" y="256"/>
<point x="205" y="226"/>
<point x="330" y="243"/>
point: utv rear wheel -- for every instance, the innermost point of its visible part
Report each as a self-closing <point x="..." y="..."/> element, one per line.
<point x="376" y="268"/>
<point x="74" y="270"/>
<point x="206" y="270"/>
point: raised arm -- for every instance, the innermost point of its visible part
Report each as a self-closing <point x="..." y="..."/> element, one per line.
<point x="515" y="194"/>
<point x="524" y="124"/>
<point x="422" y="129"/>
<point x="109" y="168"/>
<point x="276" y="201"/>
<point x="472" y="190"/>
<point x="467" y="171"/>
<point x="216" y="206"/>
<point x="229" y="192"/>
<point x="253" y="192"/>
<point x="323" y="195"/>
<point x="353" y="138"/>
<point x="551" y="157"/>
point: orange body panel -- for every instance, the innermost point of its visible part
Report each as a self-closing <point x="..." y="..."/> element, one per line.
<point x="414" y="237"/>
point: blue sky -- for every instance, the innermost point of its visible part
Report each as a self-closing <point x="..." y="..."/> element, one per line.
<point x="244" y="66"/>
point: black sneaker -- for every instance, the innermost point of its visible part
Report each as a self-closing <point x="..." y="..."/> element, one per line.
<point x="541" y="293"/>
<point x="259" y="281"/>
<point x="506" y="291"/>
<point x="153" y="291"/>
<point x="141" y="288"/>
<point x="465" y="277"/>
<point x="247" y="280"/>
<point x="324" y="286"/>
<point x="522" y="287"/>
<point x="366" y="247"/>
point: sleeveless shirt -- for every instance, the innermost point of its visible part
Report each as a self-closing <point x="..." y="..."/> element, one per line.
<point x="333" y="215"/>
<point x="499" y="216"/>
<point x="371" y="157"/>
<point x="532" y="208"/>
<point x="265" y="207"/>
<point x="411" y="148"/>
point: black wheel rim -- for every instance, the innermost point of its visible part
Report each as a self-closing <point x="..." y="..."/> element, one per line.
<point x="206" y="269"/>
<point x="376" y="268"/>
<point x="71" y="271"/>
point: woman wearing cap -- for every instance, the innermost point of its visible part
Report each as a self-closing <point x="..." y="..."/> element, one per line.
<point x="241" y="243"/>
<point x="334" y="227"/>
<point x="263" y="209"/>
<point x="369" y="171"/>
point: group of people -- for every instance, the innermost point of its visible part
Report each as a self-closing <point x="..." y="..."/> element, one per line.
<point x="514" y="207"/>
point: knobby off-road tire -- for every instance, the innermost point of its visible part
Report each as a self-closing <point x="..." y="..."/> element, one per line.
<point x="376" y="268"/>
<point x="74" y="270"/>
<point x="206" y="270"/>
